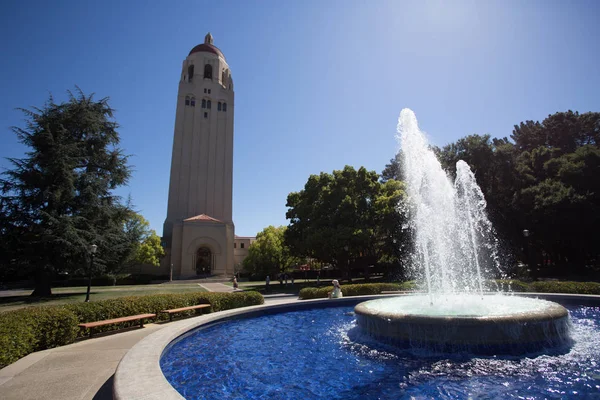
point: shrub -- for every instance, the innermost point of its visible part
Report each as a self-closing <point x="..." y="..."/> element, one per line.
<point x="153" y="304"/>
<point x="32" y="329"/>
<point x="409" y="285"/>
<point x="566" y="287"/>
<point x="508" y="285"/>
<point x="37" y="328"/>
<point x="348" y="290"/>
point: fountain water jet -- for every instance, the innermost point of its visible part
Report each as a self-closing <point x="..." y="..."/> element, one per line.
<point x="456" y="248"/>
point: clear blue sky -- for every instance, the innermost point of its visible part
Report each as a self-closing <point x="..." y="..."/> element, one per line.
<point x="319" y="84"/>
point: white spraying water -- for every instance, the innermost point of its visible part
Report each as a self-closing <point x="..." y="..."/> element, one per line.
<point x="455" y="244"/>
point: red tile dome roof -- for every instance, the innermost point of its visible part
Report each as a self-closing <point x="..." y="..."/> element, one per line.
<point x="207" y="48"/>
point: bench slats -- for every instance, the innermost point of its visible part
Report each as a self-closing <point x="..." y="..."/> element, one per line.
<point x="176" y="310"/>
<point x="116" y="320"/>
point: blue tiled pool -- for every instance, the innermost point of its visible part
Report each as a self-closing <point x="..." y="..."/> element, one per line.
<point x="319" y="354"/>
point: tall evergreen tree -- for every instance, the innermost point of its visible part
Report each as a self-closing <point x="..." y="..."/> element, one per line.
<point x="58" y="199"/>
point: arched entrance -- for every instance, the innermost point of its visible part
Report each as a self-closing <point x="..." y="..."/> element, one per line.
<point x="204" y="261"/>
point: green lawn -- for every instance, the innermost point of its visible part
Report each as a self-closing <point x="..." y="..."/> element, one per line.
<point x="12" y="300"/>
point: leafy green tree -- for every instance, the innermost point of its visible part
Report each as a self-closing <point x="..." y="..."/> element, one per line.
<point x="345" y="218"/>
<point x="150" y="250"/>
<point x="145" y="247"/>
<point x="545" y="182"/>
<point x="269" y="254"/>
<point x="58" y="199"/>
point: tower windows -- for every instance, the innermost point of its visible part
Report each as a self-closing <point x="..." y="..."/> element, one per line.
<point x="203" y="103"/>
<point x="205" y="115"/>
<point x="193" y="102"/>
<point x="219" y="106"/>
<point x="187" y="100"/>
<point x="208" y="71"/>
<point x="208" y="104"/>
<point x="225" y="107"/>
<point x="241" y="245"/>
<point x="190" y="73"/>
<point x="204" y="90"/>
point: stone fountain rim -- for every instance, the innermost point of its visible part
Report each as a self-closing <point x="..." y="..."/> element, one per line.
<point x="139" y="376"/>
<point x="551" y="311"/>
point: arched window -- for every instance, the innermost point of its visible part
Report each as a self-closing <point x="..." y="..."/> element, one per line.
<point x="219" y="106"/>
<point x="208" y="71"/>
<point x="190" y="73"/>
<point x="203" y="103"/>
<point x="187" y="100"/>
<point x="193" y="102"/>
<point x="223" y="77"/>
<point x="224" y="106"/>
<point x="208" y="104"/>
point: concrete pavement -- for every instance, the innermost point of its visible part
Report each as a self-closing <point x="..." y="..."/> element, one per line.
<point x="216" y="287"/>
<point x="83" y="370"/>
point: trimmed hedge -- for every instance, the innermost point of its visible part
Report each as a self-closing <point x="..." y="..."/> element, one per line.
<point x="32" y="329"/>
<point x="548" y="286"/>
<point x="565" y="287"/>
<point x="37" y="328"/>
<point x="508" y="285"/>
<point x="348" y="290"/>
<point x="505" y="285"/>
<point x="133" y="305"/>
<point x="409" y="285"/>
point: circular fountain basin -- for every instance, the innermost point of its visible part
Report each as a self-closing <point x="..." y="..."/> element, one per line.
<point x="492" y="324"/>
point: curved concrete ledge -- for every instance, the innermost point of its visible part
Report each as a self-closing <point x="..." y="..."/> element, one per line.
<point x="139" y="376"/>
<point x="511" y="333"/>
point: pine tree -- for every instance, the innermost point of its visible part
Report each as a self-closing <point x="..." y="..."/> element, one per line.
<point x="59" y="199"/>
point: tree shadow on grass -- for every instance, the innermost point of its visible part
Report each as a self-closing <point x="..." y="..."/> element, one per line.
<point x="28" y="300"/>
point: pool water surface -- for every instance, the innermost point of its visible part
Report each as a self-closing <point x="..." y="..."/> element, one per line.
<point x="320" y="354"/>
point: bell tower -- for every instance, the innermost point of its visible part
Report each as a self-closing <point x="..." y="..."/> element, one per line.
<point x="198" y="233"/>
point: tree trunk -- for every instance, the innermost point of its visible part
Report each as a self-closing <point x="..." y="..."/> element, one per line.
<point x="43" y="283"/>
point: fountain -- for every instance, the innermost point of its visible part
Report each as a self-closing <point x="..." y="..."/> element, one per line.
<point x="322" y="349"/>
<point x="456" y="247"/>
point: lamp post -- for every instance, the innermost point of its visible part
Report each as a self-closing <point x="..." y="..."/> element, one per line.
<point x="92" y="249"/>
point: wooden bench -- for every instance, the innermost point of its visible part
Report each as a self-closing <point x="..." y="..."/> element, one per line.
<point x="140" y="317"/>
<point x="176" y="310"/>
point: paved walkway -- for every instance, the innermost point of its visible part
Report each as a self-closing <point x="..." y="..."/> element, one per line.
<point x="83" y="370"/>
<point x="216" y="287"/>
